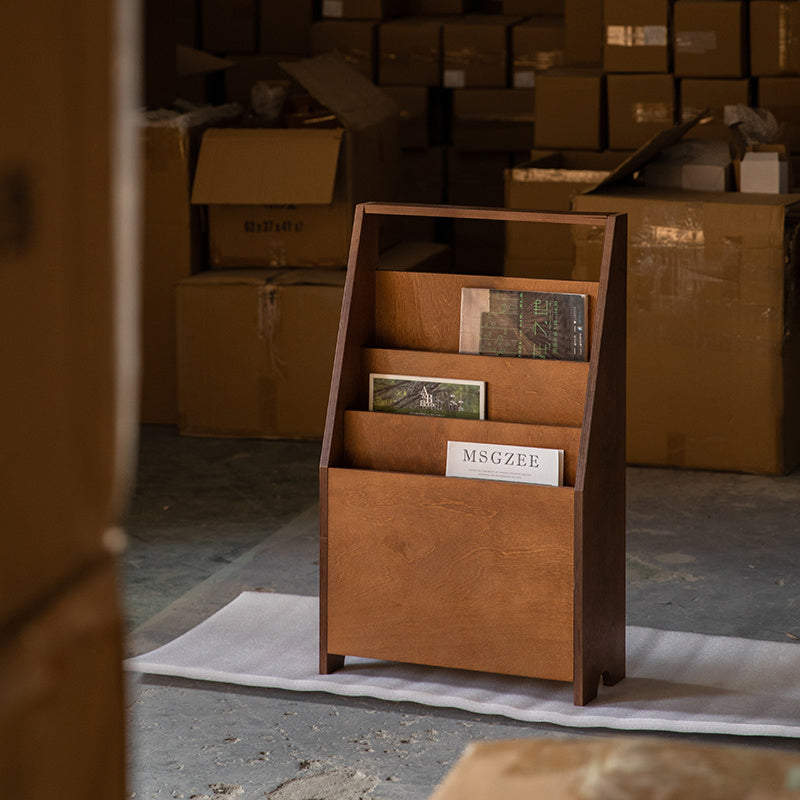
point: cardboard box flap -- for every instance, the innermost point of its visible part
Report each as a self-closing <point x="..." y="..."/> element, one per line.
<point x="267" y="166"/>
<point x="650" y="149"/>
<point x="348" y="94"/>
<point x="190" y="61"/>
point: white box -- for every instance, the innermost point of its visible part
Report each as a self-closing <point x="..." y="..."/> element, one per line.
<point x="764" y="173"/>
<point x="706" y="177"/>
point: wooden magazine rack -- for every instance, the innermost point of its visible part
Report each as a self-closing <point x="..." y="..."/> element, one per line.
<point x="483" y="575"/>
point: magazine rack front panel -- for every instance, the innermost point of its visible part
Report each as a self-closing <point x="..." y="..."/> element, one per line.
<point x="484" y="575"/>
<point x="449" y="573"/>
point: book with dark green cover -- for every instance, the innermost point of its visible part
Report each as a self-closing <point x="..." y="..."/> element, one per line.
<point x="550" y="325"/>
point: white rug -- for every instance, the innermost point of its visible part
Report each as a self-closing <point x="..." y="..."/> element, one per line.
<point x="682" y="682"/>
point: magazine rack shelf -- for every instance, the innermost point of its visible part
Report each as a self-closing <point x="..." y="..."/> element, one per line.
<point x="483" y="575"/>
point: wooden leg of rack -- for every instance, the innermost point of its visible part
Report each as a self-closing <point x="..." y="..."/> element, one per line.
<point x="586" y="688"/>
<point x="612" y="677"/>
<point x="587" y="685"/>
<point x="328" y="662"/>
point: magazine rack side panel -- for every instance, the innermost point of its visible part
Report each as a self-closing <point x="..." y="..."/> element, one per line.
<point x="600" y="487"/>
<point x="356" y="329"/>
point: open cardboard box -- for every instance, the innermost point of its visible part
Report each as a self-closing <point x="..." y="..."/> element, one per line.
<point x="284" y="196"/>
<point x="713" y="345"/>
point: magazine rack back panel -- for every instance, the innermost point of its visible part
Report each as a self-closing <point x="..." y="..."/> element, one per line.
<point x="483" y="575"/>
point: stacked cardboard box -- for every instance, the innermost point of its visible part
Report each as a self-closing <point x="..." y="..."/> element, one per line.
<point x="526" y="102"/>
<point x="537" y="45"/>
<point x="476" y="51"/>
<point x="664" y="61"/>
<point x="713" y="344"/>
<point x="255" y="351"/>
<point x="450" y="65"/>
<point x="775" y="63"/>
<point x="356" y="40"/>
<point x="173" y="245"/>
<point x="550" y="180"/>
<point x="712" y="47"/>
<point x="257" y="329"/>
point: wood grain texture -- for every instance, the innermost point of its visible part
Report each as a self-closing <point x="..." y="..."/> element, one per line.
<point x="417" y="444"/>
<point x="468" y="212"/>
<point x="459" y="573"/>
<point x="356" y="328"/>
<point x="484" y="575"/>
<point x="525" y="390"/>
<point x="421" y="311"/>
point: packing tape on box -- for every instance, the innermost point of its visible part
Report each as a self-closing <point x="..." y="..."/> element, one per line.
<point x="463" y="56"/>
<point x="268" y="319"/>
<point x="543" y="175"/>
<point x="787" y="42"/>
<point x="695" y="42"/>
<point x="636" y="35"/>
<point x="355" y="56"/>
<point x="540" y="61"/>
<point x="269" y="306"/>
<point x="407" y="58"/>
<point x="651" y="112"/>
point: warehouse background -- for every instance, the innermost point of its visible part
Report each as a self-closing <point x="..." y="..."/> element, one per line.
<point x="69" y="256"/>
<point x="526" y="103"/>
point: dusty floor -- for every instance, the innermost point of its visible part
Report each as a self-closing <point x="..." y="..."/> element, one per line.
<point x="707" y="552"/>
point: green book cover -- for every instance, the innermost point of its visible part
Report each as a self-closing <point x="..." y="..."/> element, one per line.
<point x="549" y="325"/>
<point x="430" y="397"/>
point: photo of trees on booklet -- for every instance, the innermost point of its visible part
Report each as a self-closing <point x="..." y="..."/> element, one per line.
<point x="431" y="397"/>
<point x="497" y="322"/>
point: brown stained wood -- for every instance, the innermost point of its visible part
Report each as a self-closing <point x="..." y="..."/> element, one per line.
<point x="468" y="212"/>
<point x="418" y="444"/>
<point x="600" y="488"/>
<point x="451" y="572"/>
<point x="525" y="390"/>
<point x="422" y="311"/>
<point x="330" y="663"/>
<point x="486" y="575"/>
<point x="356" y="329"/>
<point x="325" y="664"/>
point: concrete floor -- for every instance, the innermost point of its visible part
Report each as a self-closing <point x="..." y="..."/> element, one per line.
<point x="708" y="552"/>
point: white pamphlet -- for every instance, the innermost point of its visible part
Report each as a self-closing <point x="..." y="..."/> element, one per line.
<point x="503" y="462"/>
